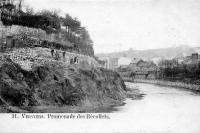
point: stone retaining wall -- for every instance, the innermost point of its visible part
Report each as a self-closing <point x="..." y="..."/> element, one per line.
<point x="31" y="57"/>
<point x="176" y="84"/>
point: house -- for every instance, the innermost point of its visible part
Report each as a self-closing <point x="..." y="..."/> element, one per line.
<point x="168" y="63"/>
<point x="146" y="66"/>
<point x="113" y="63"/>
<point x="133" y="63"/>
<point x="137" y="64"/>
<point x="141" y="65"/>
<point x="195" y="56"/>
<point x="193" y="59"/>
<point x="143" y="69"/>
<point x="139" y="68"/>
<point x="124" y="61"/>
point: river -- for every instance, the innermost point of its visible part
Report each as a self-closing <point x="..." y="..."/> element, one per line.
<point x="163" y="109"/>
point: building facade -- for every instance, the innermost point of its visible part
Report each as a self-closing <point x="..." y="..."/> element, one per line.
<point x="113" y="63"/>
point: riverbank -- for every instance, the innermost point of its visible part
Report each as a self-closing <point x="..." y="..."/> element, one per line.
<point x="57" y="88"/>
<point x="167" y="83"/>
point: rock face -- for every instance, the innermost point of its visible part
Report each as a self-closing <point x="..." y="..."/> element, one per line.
<point x="54" y="85"/>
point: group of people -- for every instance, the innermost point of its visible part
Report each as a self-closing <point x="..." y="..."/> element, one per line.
<point x="56" y="55"/>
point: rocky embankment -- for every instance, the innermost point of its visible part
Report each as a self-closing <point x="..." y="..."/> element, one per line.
<point x="58" y="88"/>
<point x="194" y="86"/>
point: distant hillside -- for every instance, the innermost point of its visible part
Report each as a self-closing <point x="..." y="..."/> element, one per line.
<point x="172" y="52"/>
<point x="197" y="49"/>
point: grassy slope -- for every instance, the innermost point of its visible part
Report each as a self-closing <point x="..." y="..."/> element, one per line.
<point x="57" y="88"/>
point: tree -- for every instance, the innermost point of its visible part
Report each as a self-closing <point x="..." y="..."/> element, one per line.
<point x="70" y="22"/>
<point x="21" y="2"/>
<point x="85" y="37"/>
<point x="52" y="17"/>
<point x="29" y="10"/>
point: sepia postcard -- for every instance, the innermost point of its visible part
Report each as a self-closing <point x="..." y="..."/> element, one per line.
<point x="100" y="66"/>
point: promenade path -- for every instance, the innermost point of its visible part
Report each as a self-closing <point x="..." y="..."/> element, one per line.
<point x="30" y="57"/>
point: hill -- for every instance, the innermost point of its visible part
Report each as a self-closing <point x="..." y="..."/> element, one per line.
<point x="167" y="53"/>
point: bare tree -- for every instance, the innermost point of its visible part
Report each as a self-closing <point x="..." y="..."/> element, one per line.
<point x="21" y="2"/>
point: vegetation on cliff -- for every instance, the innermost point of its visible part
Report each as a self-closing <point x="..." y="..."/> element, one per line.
<point x="54" y="85"/>
<point x="62" y="30"/>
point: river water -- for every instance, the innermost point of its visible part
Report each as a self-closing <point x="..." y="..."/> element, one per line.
<point x="164" y="109"/>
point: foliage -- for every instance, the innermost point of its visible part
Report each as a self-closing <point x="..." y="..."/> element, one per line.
<point x="52" y="17"/>
<point x="73" y="23"/>
<point x="51" y="22"/>
<point x="47" y="23"/>
<point x="181" y="72"/>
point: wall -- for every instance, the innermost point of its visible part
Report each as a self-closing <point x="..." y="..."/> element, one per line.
<point x="31" y="57"/>
<point x="61" y="38"/>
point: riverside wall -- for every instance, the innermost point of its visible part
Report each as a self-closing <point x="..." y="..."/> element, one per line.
<point x="176" y="84"/>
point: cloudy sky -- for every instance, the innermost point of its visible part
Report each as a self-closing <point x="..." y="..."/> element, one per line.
<point x="117" y="25"/>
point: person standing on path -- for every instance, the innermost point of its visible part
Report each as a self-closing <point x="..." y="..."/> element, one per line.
<point x="64" y="55"/>
<point x="52" y="52"/>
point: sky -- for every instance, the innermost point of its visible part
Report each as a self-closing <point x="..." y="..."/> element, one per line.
<point x="117" y="25"/>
